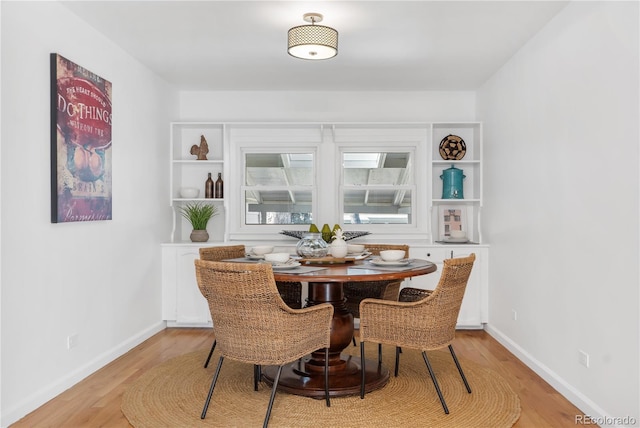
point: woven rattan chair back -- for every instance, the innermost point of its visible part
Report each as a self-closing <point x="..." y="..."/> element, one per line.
<point x="290" y="291"/>
<point x="253" y="324"/>
<point x="249" y="316"/>
<point x="216" y="254"/>
<point x="376" y="248"/>
<point x="426" y="324"/>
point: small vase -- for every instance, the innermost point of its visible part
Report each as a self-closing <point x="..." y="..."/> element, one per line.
<point x="199" y="236"/>
<point x="312" y="245"/>
<point x="338" y="247"/>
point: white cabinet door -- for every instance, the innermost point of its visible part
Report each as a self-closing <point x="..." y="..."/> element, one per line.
<point x="184" y="305"/>
<point x="472" y="313"/>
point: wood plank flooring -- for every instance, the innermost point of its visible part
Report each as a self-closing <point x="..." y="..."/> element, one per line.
<point x="95" y="401"/>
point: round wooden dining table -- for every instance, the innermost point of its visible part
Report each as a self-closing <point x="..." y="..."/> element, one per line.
<point x="306" y="376"/>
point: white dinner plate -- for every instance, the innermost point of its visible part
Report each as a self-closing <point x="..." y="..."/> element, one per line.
<point x="255" y="256"/>
<point x="284" y="266"/>
<point x="359" y="256"/>
<point x="379" y="262"/>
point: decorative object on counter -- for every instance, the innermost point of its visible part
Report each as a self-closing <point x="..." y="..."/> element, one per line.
<point x="452" y="147"/>
<point x="208" y="187"/>
<point x="452" y="183"/>
<point x="338" y="247"/>
<point x="218" y="187"/>
<point x="201" y="150"/>
<point x="189" y="192"/>
<point x="346" y="235"/>
<point x="199" y="215"/>
<point x="458" y="234"/>
<point x="311" y="246"/>
<point x="451" y="218"/>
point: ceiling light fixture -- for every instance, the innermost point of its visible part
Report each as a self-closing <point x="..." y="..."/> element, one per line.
<point x="313" y="41"/>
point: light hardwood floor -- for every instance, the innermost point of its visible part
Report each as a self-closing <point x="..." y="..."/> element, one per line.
<point x="95" y="401"/>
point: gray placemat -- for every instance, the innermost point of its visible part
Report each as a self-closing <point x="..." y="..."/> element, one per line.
<point x="300" y="269"/>
<point x="297" y="270"/>
<point x="415" y="264"/>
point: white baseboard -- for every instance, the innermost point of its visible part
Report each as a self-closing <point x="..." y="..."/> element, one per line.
<point x="38" y="398"/>
<point x="558" y="383"/>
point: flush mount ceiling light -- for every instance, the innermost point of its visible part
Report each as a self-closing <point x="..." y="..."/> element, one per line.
<point x="313" y="41"/>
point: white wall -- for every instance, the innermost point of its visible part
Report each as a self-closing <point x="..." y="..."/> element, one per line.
<point x="561" y="204"/>
<point x="339" y="106"/>
<point x="100" y="280"/>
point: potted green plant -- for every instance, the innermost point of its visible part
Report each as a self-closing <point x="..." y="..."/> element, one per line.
<point x="199" y="214"/>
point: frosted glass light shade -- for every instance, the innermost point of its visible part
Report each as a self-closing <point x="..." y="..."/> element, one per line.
<point x="313" y="42"/>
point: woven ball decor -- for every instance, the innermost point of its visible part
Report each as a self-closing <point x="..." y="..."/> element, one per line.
<point x="452" y="147"/>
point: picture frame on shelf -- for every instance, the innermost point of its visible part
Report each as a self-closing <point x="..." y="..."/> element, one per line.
<point x="452" y="217"/>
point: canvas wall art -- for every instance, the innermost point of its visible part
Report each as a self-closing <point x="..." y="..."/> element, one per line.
<point x="81" y="146"/>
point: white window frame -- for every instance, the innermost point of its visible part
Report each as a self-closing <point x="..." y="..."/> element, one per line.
<point x="327" y="144"/>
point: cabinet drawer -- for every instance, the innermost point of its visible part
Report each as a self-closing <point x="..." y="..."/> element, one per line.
<point x="438" y="254"/>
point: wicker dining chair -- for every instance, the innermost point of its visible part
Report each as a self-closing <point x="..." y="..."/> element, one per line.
<point x="251" y="320"/>
<point x="355" y="292"/>
<point x="426" y="324"/>
<point x="291" y="292"/>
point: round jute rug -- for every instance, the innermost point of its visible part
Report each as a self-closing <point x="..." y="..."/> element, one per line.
<point x="173" y="393"/>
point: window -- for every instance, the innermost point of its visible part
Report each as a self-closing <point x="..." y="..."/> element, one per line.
<point x="278" y="188"/>
<point x="377" y="187"/>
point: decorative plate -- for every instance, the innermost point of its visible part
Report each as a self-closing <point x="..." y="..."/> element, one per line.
<point x="346" y="234"/>
<point x="452" y="147"/>
<point x="379" y="262"/>
<point x="285" y="266"/>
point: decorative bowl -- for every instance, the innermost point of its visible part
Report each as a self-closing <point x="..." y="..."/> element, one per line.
<point x="189" y="192"/>
<point x="276" y="257"/>
<point x="355" y="248"/>
<point x="457" y="234"/>
<point x="392" y="255"/>
<point x="261" y="249"/>
<point x="346" y="235"/>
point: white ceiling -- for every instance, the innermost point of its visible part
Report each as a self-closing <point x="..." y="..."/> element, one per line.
<point x="383" y="45"/>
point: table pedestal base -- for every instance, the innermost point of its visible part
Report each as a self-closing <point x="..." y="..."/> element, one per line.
<point x="306" y="378"/>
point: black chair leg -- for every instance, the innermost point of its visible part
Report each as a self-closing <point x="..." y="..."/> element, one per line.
<point x="362" y="370"/>
<point x="397" y="369"/>
<point x="464" y="378"/>
<point x="435" y="382"/>
<point x="326" y="376"/>
<point x="206" y="363"/>
<point x="213" y="385"/>
<point x="354" y="340"/>
<point x="273" y="396"/>
<point x="257" y="376"/>
<point x="379" y="353"/>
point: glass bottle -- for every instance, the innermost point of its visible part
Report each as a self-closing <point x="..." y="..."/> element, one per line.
<point x="312" y="245"/>
<point x="208" y="188"/>
<point x="219" y="187"/>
